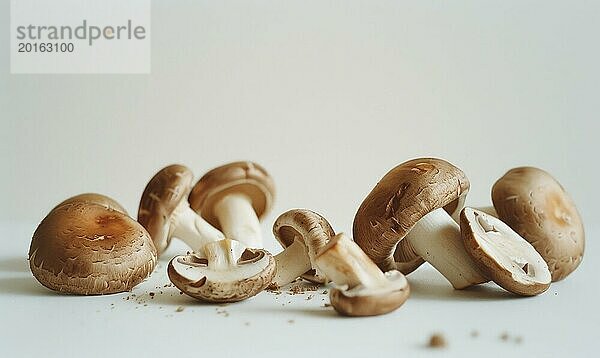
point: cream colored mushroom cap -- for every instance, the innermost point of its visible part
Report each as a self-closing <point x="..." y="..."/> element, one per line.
<point x="244" y="177"/>
<point x="85" y="248"/>
<point x="537" y="207"/>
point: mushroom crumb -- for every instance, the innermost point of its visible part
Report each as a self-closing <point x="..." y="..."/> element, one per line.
<point x="474" y="334"/>
<point x="504" y="336"/>
<point x="437" y="341"/>
<point x="180" y="309"/>
<point x="290" y="321"/>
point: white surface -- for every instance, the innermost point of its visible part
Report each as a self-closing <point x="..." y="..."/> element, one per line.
<point x="562" y="322"/>
<point x="328" y="96"/>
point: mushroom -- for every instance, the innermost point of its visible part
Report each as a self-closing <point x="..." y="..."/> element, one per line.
<point x="96" y="199"/>
<point x="165" y="212"/>
<point x="408" y="211"/>
<point x="361" y="288"/>
<point x="502" y="254"/>
<point x="233" y="198"/>
<point x="86" y="248"/>
<point x="302" y="233"/>
<point x="217" y="276"/>
<point x="538" y="208"/>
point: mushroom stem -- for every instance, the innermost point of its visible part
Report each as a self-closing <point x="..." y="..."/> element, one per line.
<point x="436" y="238"/>
<point x="192" y="229"/>
<point x="221" y="255"/>
<point x="238" y="220"/>
<point x="344" y="263"/>
<point x="291" y="263"/>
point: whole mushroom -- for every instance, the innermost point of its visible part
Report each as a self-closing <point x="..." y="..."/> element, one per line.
<point x="165" y="212"/>
<point x="361" y="288"/>
<point x="218" y="276"/>
<point x="233" y="198"/>
<point x="90" y="249"/>
<point x="302" y="233"/>
<point x="409" y="211"/>
<point x="539" y="209"/>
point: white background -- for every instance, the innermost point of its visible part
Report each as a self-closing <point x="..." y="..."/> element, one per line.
<point x="328" y="96"/>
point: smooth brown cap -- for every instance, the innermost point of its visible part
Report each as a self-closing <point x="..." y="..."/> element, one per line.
<point x="238" y="177"/>
<point x="95" y="198"/>
<point x="88" y="249"/>
<point x="502" y="255"/>
<point x="165" y="191"/>
<point x="371" y="304"/>
<point x="537" y="207"/>
<point x="400" y="199"/>
<point x="314" y="231"/>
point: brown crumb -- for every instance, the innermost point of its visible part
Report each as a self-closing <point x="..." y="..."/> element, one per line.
<point x="474" y="333"/>
<point x="504" y="336"/>
<point x="437" y="340"/>
<point x="518" y="340"/>
<point x="290" y="321"/>
<point x="180" y="309"/>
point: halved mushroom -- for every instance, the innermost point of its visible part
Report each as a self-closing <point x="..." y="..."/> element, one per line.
<point x="95" y="199"/>
<point x="302" y="233"/>
<point x="539" y="209"/>
<point x="361" y="288"/>
<point x="408" y="211"/>
<point x="89" y="249"/>
<point x="217" y="276"/>
<point x="165" y="212"/>
<point x="233" y="198"/>
<point x="502" y="255"/>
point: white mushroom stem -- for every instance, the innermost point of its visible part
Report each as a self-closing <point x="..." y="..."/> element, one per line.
<point x="344" y="263"/>
<point x="291" y="263"/>
<point x="238" y="220"/>
<point x="221" y="255"/>
<point x="190" y="228"/>
<point x="436" y="238"/>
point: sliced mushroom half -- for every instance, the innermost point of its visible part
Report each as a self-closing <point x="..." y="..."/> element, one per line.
<point x="503" y="255"/>
<point x="217" y="276"/>
<point x="361" y="288"/>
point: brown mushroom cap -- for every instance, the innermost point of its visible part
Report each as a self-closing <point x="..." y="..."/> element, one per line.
<point x="371" y="302"/>
<point x="95" y="199"/>
<point x="89" y="249"/>
<point x="311" y="228"/>
<point x="537" y="207"/>
<point x="502" y="255"/>
<point x="165" y="191"/>
<point x="400" y="199"/>
<point x="254" y="272"/>
<point x="238" y="177"/>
